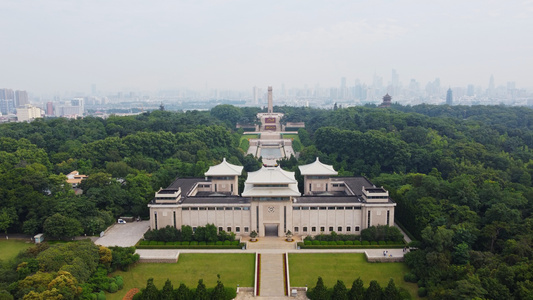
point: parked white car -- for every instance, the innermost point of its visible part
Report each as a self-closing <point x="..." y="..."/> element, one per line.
<point x="120" y="221"/>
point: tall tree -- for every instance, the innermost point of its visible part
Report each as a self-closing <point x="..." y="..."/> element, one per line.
<point x="374" y="291"/>
<point x="167" y="293"/>
<point x="319" y="292"/>
<point x="150" y="292"/>
<point x="357" y="292"/>
<point x="201" y="291"/>
<point x="339" y="291"/>
<point x="391" y="292"/>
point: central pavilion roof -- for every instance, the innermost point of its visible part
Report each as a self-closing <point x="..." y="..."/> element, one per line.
<point x="271" y="175"/>
<point x="317" y="168"/>
<point x="224" y="169"/>
<point x="271" y="182"/>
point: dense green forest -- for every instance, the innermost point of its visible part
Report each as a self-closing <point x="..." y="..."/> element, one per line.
<point x="462" y="177"/>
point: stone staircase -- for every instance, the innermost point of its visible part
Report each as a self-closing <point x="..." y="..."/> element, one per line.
<point x="272" y="279"/>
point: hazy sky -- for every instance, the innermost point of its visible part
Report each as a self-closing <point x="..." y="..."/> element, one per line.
<point x="56" y="45"/>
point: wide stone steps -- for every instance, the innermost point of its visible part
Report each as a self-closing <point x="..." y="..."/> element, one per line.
<point x="272" y="279"/>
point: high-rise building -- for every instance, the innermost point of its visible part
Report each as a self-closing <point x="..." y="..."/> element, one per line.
<point x="21" y="98"/>
<point x="28" y="112"/>
<point x="256" y="95"/>
<point x="343" y="91"/>
<point x="490" y="90"/>
<point x="449" y="97"/>
<point x="7" y="101"/>
<point x="49" y="109"/>
<point x="470" y="90"/>
<point x="395" y="82"/>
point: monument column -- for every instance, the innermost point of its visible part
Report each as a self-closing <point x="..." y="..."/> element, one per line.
<point x="270" y="105"/>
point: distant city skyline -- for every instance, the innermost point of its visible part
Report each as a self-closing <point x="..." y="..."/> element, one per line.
<point x="55" y="46"/>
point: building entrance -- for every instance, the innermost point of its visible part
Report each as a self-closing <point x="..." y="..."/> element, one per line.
<point x="271" y="229"/>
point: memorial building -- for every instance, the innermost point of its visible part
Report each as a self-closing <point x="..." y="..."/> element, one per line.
<point x="271" y="203"/>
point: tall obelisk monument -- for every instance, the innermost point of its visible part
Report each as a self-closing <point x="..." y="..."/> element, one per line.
<point x="270" y="105"/>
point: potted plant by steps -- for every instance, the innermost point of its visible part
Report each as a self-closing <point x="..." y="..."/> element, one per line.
<point x="289" y="236"/>
<point x="253" y="235"/>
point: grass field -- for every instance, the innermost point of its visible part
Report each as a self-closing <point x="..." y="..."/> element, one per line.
<point x="296" y="143"/>
<point x="243" y="142"/>
<point x="233" y="269"/>
<point x="10" y="248"/>
<point x="306" y="268"/>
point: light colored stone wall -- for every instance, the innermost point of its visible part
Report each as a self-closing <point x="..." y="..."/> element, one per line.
<point x="294" y="218"/>
<point x="271" y="212"/>
<point x="226" y="185"/>
<point x="220" y="218"/>
<point x="316" y="185"/>
<point x="165" y="217"/>
<point x="378" y="215"/>
<point x="326" y="218"/>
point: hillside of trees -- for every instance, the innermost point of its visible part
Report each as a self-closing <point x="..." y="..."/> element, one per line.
<point x="462" y="177"/>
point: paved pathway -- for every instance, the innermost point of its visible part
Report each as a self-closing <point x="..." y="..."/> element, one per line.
<point x="124" y="235"/>
<point x="272" y="276"/>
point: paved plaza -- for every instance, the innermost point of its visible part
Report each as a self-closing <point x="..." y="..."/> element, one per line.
<point x="124" y="235"/>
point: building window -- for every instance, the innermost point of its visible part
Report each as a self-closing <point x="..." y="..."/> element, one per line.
<point x="237" y="229"/>
<point x="314" y="208"/>
<point x="330" y="228"/>
<point x="246" y="208"/>
<point x="202" y="208"/>
<point x="331" y="208"/>
<point x="296" y="229"/>
<point x="155" y="219"/>
<point x="174" y="214"/>
<point x="323" y="208"/>
<point x="356" y="228"/>
<point x="210" y="208"/>
<point x="246" y="229"/>
<point x="220" y="208"/>
<point x="388" y="217"/>
<point x="185" y="208"/>
<point x="348" y="228"/>
<point x="339" y="229"/>
<point x="238" y="208"/>
<point x="368" y="221"/>
<point x="194" y="208"/>
<point x="296" y="208"/>
<point x="305" y="208"/>
<point x="322" y="229"/>
<point x="305" y="229"/>
<point x="229" y="208"/>
<point x="228" y="229"/>
<point x="220" y="228"/>
<point x="313" y="229"/>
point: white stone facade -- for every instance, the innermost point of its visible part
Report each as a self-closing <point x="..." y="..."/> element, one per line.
<point x="272" y="205"/>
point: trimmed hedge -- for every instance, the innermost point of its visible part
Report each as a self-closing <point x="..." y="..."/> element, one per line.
<point x="234" y="246"/>
<point x="189" y="245"/>
<point x="347" y="246"/>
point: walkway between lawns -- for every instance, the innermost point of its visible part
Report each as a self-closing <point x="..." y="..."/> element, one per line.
<point x="271" y="276"/>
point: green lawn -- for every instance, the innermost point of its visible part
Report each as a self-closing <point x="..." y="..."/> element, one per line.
<point x="307" y="267"/>
<point x="296" y="143"/>
<point x="243" y="142"/>
<point x="10" y="248"/>
<point x="233" y="269"/>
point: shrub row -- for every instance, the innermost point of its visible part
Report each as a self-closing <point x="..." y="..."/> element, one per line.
<point x="349" y="243"/>
<point x="192" y="243"/>
<point x="326" y="245"/>
<point x="235" y="246"/>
